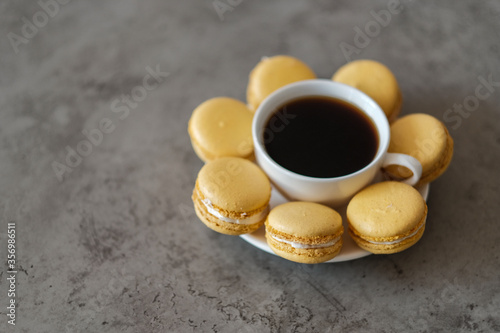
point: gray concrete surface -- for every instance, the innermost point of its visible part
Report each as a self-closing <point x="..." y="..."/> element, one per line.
<point x="114" y="245"/>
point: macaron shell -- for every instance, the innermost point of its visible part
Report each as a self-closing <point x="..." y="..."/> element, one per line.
<point x="386" y="211"/>
<point x="425" y="138"/>
<point x="221" y="127"/>
<point x="375" y="80"/>
<point x="234" y="185"/>
<point x="273" y="73"/>
<point x="305" y="219"/>
<point x="305" y="256"/>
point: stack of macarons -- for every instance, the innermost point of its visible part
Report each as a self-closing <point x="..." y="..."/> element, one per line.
<point x="232" y="193"/>
<point x="304" y="232"/>
<point x="386" y="217"/>
<point x="231" y="196"/>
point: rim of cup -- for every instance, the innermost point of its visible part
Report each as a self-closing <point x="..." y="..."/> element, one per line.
<point x="338" y="90"/>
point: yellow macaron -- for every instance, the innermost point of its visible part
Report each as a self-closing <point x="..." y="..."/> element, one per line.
<point x="273" y="73"/>
<point x="304" y="232"/>
<point x="232" y="195"/>
<point x="425" y="138"/>
<point x="375" y="80"/>
<point x="221" y="127"/>
<point x="386" y="217"/>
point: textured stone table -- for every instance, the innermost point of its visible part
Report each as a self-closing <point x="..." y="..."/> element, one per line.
<point x="96" y="167"/>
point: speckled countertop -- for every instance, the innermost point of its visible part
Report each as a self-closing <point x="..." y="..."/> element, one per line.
<point x="107" y="240"/>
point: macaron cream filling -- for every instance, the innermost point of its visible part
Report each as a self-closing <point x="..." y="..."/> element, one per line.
<point x="306" y="246"/>
<point x="245" y="220"/>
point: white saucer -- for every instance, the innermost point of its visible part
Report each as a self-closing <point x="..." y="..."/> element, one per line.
<point x="350" y="249"/>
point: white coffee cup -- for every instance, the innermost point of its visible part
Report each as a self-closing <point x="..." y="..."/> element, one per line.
<point x="333" y="191"/>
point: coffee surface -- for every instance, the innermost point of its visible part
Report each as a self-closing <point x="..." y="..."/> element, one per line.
<point x="320" y="137"/>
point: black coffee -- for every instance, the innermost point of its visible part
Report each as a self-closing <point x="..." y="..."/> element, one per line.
<point x="320" y="137"/>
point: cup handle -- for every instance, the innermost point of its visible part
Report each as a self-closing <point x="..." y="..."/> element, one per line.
<point x="407" y="161"/>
